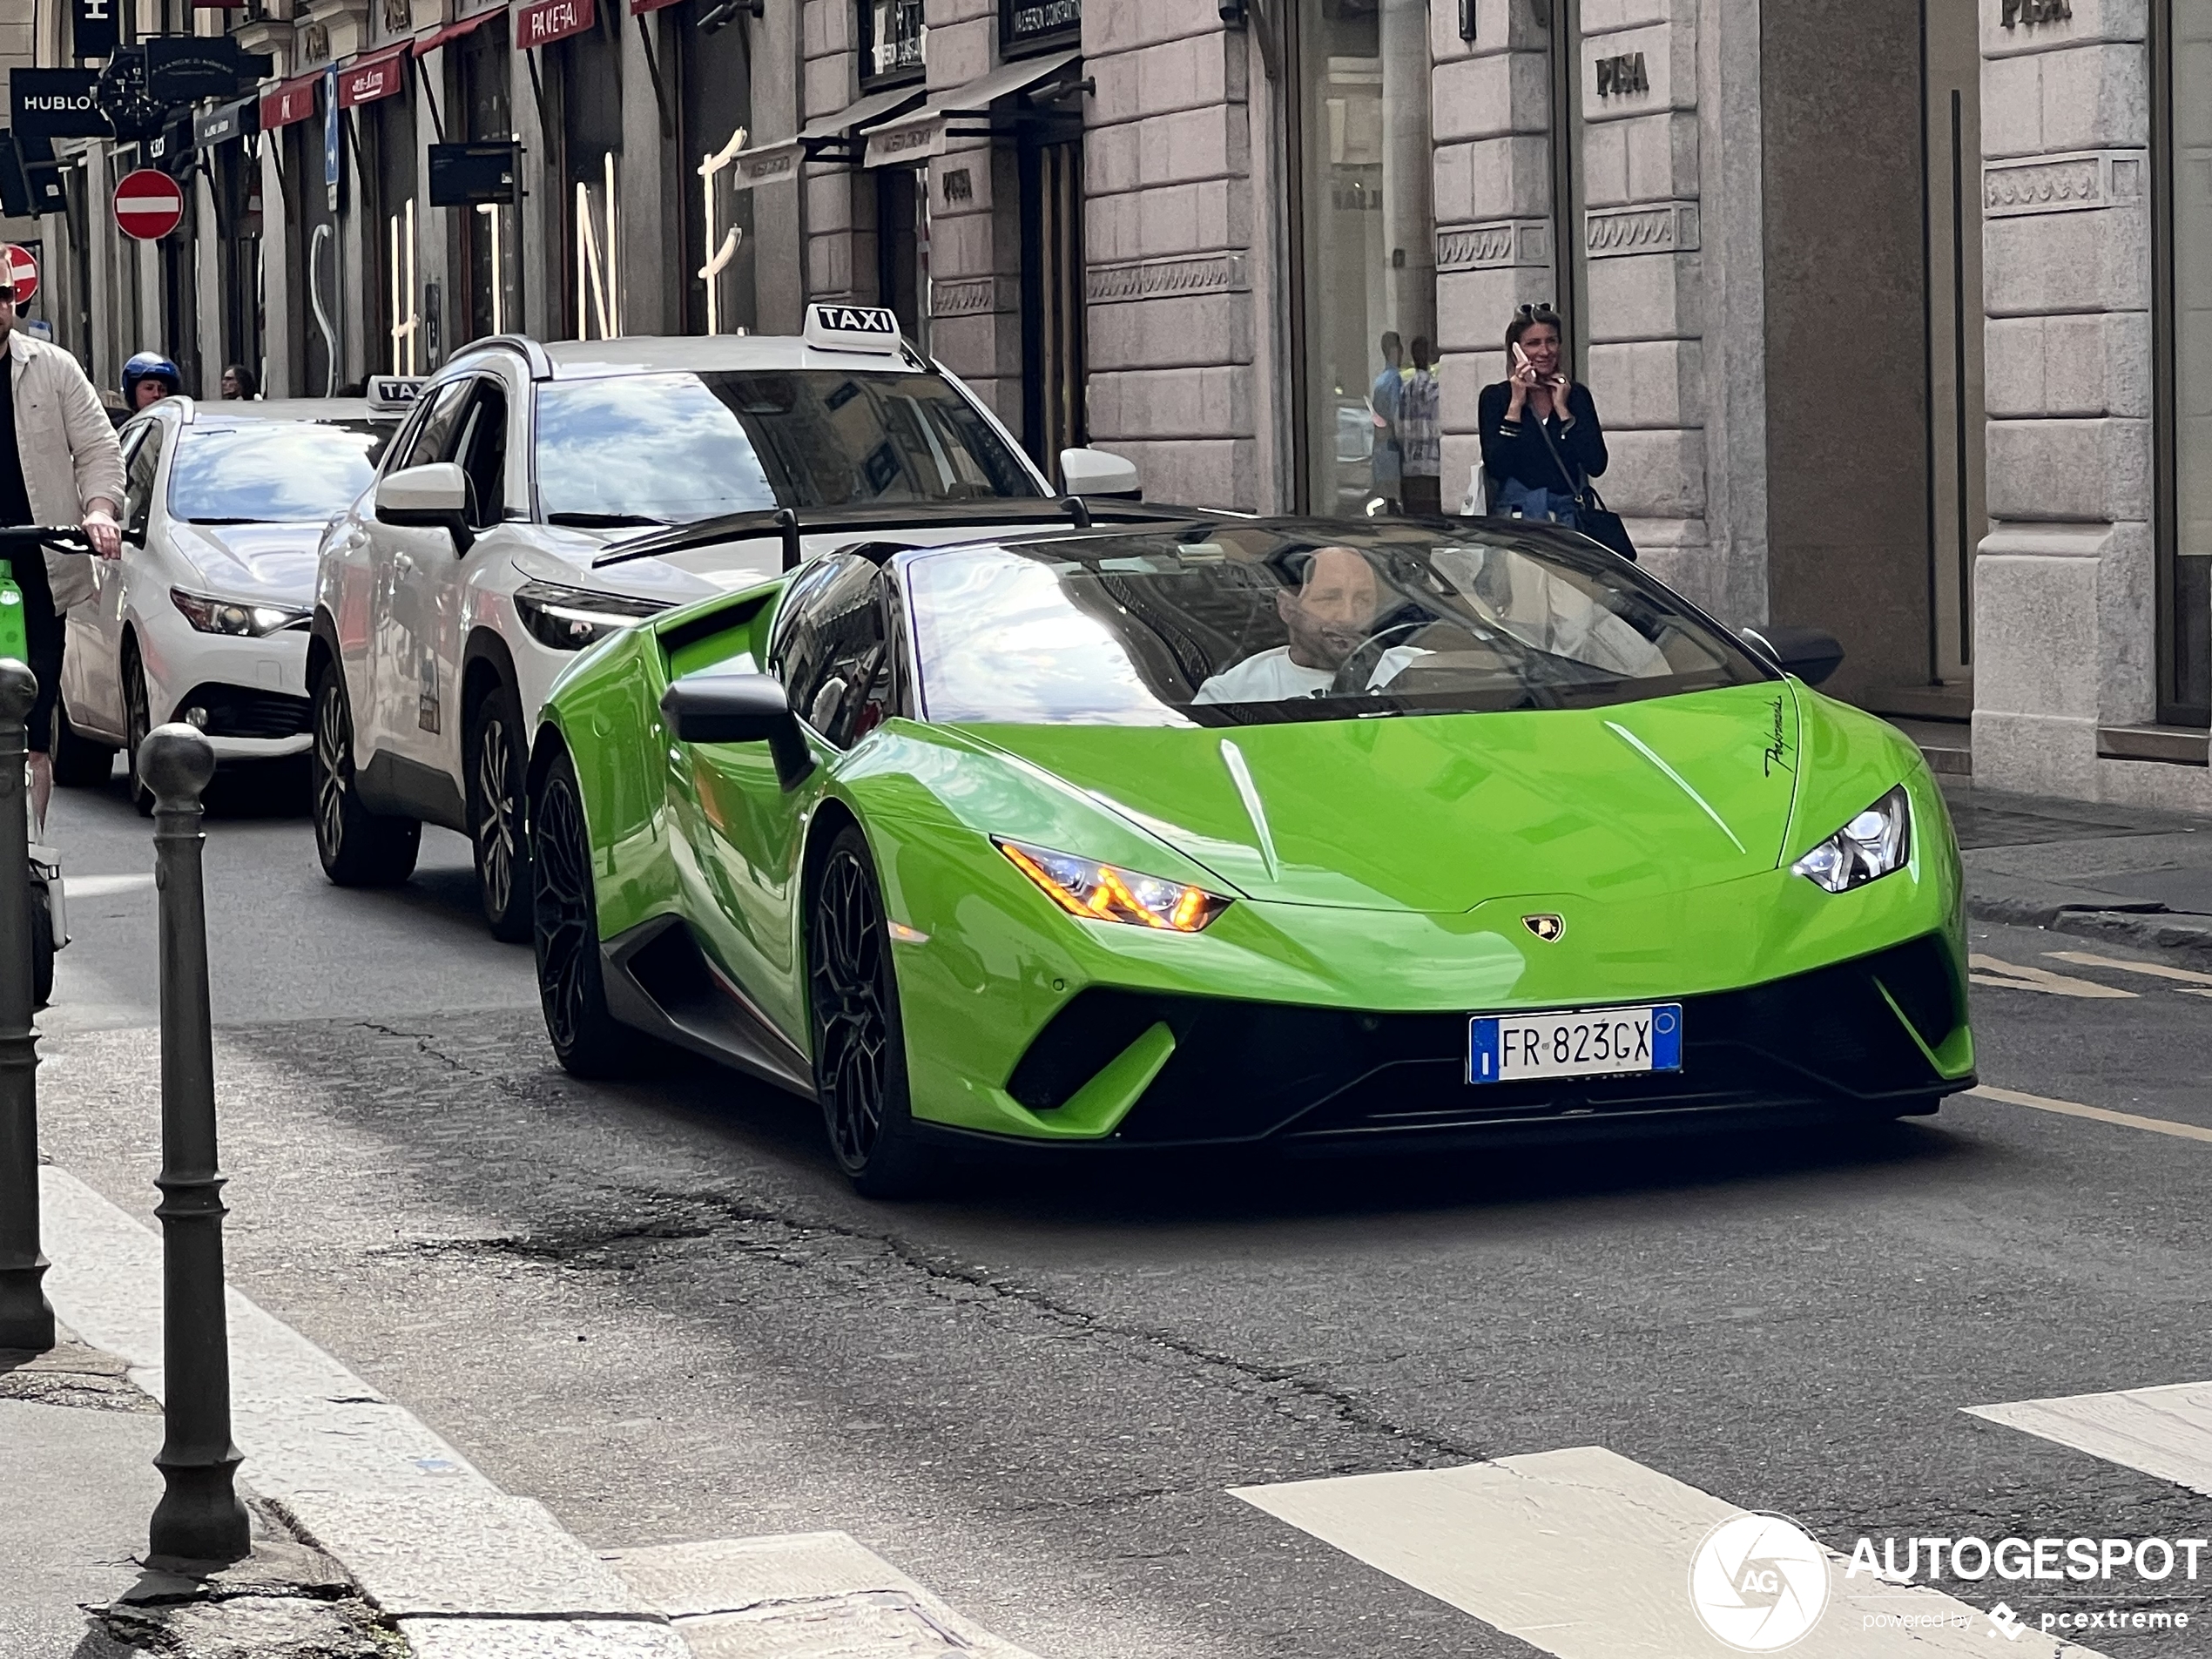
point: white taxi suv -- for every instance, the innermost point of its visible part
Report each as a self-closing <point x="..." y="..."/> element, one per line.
<point x="204" y="617"/>
<point x="542" y="496"/>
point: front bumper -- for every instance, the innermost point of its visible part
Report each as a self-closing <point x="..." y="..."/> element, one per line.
<point x="1884" y="1034"/>
<point x="252" y="693"/>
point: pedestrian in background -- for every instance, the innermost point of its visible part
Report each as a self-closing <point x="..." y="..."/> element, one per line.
<point x="1383" y="399"/>
<point x="59" y="464"/>
<point x="1421" y="434"/>
<point x="1542" y="441"/>
<point x="239" y="381"/>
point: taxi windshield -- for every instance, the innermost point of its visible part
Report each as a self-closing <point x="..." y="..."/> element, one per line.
<point x="1255" y="624"/>
<point x="672" y="448"/>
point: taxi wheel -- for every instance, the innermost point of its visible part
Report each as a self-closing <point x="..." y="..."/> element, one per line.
<point x="498" y="778"/>
<point x="859" y="1041"/>
<point x="138" y="720"/>
<point x="564" y="931"/>
<point x="79" y="763"/>
<point x="359" y="848"/>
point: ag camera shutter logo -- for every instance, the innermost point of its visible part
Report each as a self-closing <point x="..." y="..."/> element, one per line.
<point x="1759" y="1582"/>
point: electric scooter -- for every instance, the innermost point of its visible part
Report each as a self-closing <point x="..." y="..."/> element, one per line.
<point x="49" y="905"/>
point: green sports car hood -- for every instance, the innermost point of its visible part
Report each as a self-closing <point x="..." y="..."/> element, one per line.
<point x="1439" y="813"/>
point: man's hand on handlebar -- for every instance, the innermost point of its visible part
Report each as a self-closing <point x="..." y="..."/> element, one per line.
<point x="105" y="536"/>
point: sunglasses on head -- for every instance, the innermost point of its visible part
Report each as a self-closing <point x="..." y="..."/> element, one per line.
<point x="1540" y="312"/>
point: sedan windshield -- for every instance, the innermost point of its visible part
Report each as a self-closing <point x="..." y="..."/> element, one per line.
<point x="674" y="448"/>
<point x="1253" y="625"/>
<point x="268" y="471"/>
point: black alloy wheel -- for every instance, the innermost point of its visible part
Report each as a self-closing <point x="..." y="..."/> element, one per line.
<point x="358" y="849"/>
<point x="564" y="931"/>
<point x="79" y="763"/>
<point x="859" y="1041"/>
<point x="498" y="778"/>
<point x="137" y="721"/>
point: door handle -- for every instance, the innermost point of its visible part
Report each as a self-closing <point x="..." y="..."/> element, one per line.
<point x="402" y="561"/>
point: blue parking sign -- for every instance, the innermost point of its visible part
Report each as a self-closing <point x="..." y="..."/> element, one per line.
<point x="332" y="159"/>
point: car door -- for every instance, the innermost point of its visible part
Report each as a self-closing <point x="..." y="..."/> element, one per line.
<point x="91" y="679"/>
<point x="405" y="566"/>
<point x="740" y="832"/>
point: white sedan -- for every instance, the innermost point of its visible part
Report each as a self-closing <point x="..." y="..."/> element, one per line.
<point x="205" y="617"/>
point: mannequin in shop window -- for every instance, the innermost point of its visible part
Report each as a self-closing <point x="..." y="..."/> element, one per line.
<point x="1421" y="434"/>
<point x="1542" y="439"/>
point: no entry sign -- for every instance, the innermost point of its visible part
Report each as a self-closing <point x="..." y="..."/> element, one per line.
<point x="148" y="205"/>
<point x="23" y="271"/>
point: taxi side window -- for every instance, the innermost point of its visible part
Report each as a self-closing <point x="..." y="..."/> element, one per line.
<point x="429" y="437"/>
<point x="832" y="648"/>
<point x="137" y="480"/>
<point x="481" y="452"/>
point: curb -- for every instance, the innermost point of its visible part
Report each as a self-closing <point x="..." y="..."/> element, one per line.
<point x="2148" y="927"/>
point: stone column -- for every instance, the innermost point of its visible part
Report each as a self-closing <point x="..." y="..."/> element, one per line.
<point x="646" y="227"/>
<point x="280" y="373"/>
<point x="1168" y="234"/>
<point x="974" y="224"/>
<point x="2065" y="610"/>
<point x="840" y="244"/>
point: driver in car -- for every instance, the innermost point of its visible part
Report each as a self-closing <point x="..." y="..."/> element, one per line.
<point x="1328" y="618"/>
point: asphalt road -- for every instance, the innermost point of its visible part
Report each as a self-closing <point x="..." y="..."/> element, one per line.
<point x="656" y="1308"/>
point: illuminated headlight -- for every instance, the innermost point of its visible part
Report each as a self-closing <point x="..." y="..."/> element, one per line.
<point x="571" y="618"/>
<point x="238" y="617"/>
<point x="1876" y="842"/>
<point x="1101" y="893"/>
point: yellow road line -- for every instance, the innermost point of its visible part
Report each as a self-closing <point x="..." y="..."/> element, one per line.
<point x="2018" y="977"/>
<point x="2100" y="1114"/>
<point x="2156" y="970"/>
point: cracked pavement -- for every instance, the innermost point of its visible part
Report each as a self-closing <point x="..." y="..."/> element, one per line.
<point x="655" y="1308"/>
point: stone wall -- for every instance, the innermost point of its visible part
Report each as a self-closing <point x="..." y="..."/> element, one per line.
<point x="2064" y="605"/>
<point x="974" y="230"/>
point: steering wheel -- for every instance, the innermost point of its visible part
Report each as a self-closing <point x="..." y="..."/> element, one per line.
<point x="1352" y="677"/>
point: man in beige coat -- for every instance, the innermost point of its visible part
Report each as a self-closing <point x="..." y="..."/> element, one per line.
<point x="59" y="464"/>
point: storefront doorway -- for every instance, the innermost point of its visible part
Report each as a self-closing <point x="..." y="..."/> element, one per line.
<point x="1052" y="300"/>
<point x="713" y="75"/>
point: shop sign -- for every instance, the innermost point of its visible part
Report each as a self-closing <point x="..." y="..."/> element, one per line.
<point x="57" y="103"/>
<point x="547" y="21"/>
<point x="92" y="28"/>
<point x="314" y="43"/>
<point x="1617" y="77"/>
<point x="220" y="126"/>
<point x="183" y="68"/>
<point x="367" y="79"/>
<point x="293" y="101"/>
<point x="130" y="105"/>
<point x="464" y="175"/>
<point x="1027" y="25"/>
<point x="892" y="39"/>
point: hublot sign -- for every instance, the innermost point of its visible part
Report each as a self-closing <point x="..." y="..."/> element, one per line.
<point x="1035" y="26"/>
<point x="56" y="103"/>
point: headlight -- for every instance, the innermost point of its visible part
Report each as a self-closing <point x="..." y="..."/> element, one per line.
<point x="239" y="617"/>
<point x="1876" y="842"/>
<point x="1101" y="893"/>
<point x="571" y="618"/>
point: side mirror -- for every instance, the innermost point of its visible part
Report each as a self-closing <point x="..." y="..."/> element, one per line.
<point x="430" y="497"/>
<point x="739" y="708"/>
<point x="1094" y="472"/>
<point x="1810" y="653"/>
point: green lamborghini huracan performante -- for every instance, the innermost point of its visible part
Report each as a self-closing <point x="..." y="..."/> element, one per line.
<point x="1242" y="831"/>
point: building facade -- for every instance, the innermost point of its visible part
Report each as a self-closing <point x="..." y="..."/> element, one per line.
<point x="1899" y="318"/>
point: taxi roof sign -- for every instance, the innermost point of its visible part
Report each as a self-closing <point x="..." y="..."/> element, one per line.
<point x="835" y="327"/>
<point x="390" y="393"/>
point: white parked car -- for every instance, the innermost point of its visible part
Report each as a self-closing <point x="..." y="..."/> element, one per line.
<point x="542" y="496"/>
<point x="204" y="617"/>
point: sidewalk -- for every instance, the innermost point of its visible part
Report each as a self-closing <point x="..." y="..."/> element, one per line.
<point x="372" y="1537"/>
<point x="2130" y="875"/>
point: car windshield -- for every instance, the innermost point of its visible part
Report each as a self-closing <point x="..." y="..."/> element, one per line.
<point x="674" y="448"/>
<point x="266" y="471"/>
<point x="1255" y="624"/>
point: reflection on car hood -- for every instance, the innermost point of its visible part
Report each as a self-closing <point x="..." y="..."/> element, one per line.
<point x="275" y="561"/>
<point x="563" y="553"/>
<point x="1441" y="812"/>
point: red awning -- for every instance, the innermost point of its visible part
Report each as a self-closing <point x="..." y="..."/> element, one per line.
<point x="453" y="32"/>
<point x="289" y="101"/>
<point x="546" y="21"/>
<point x="639" y="7"/>
<point x="372" y="75"/>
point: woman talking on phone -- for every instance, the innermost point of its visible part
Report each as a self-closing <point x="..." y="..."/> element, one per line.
<point x="1541" y="442"/>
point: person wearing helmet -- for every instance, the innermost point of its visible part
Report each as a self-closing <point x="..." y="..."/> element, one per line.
<point x="147" y="378"/>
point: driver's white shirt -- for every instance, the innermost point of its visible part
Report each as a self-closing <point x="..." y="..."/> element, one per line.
<point x="1271" y="677"/>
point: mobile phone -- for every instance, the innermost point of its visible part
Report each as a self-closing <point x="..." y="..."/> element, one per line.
<point x="1520" y="358"/>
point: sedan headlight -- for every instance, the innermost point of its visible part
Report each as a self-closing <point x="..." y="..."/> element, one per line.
<point x="1104" y="892"/>
<point x="1876" y="842"/>
<point x="240" y="618"/>
<point x="571" y="618"/>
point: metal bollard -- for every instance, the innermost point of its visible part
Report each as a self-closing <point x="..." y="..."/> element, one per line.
<point x="200" y="1521"/>
<point x="26" y="1321"/>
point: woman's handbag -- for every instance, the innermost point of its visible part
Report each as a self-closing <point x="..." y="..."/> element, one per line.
<point x="1592" y="516"/>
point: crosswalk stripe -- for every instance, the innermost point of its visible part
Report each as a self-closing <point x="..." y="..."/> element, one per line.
<point x="2155" y="970"/>
<point x="1584" y="1554"/>
<point x="2096" y="1114"/>
<point x="2166" y="1432"/>
<point x="2013" y="976"/>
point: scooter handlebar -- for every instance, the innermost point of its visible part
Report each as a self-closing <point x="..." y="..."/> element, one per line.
<point x="63" y="538"/>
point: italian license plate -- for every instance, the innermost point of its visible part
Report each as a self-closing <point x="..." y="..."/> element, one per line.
<point x="1586" y="1042"/>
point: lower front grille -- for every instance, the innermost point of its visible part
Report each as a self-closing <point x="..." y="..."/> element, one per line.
<point x="1246" y="1070"/>
<point x="239" y="712"/>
